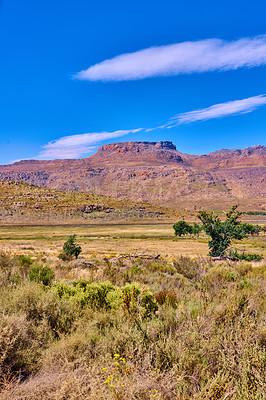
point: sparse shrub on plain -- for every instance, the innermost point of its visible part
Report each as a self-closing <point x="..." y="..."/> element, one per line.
<point x="110" y="271"/>
<point x="222" y="233"/>
<point x="247" y="256"/>
<point x="182" y="228"/>
<point x="243" y="268"/>
<point x="196" y="229"/>
<point x="19" y="347"/>
<point x="71" y="248"/>
<point x="159" y="266"/>
<point x="64" y="257"/>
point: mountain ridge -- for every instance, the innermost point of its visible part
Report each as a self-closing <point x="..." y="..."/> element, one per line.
<point x="155" y="172"/>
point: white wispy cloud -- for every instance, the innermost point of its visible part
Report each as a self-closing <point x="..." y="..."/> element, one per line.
<point x="220" y="110"/>
<point x="75" y="146"/>
<point x="180" y="58"/>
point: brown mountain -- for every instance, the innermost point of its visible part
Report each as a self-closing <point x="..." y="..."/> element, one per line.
<point x="156" y="172"/>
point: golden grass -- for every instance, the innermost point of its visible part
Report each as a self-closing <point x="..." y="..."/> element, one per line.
<point x="75" y="341"/>
<point x="114" y="239"/>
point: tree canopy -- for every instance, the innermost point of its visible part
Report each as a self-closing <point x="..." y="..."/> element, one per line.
<point x="182" y="228"/>
<point x="222" y="233"/>
<point x="71" y="248"/>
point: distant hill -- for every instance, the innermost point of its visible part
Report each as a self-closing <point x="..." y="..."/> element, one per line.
<point x="157" y="173"/>
<point x="21" y="203"/>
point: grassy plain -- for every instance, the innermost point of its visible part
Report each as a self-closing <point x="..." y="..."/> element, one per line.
<point x="163" y="322"/>
<point x="110" y="328"/>
<point x="106" y="240"/>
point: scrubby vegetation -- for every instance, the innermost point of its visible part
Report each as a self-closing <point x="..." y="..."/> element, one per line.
<point x="255" y="212"/>
<point x="183" y="228"/>
<point x="22" y="203"/>
<point x="168" y="329"/>
<point x="71" y="248"/>
<point x="221" y="232"/>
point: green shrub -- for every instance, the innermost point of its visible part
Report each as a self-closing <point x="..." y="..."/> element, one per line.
<point x="64" y="257"/>
<point x="103" y="295"/>
<point x="85" y="293"/>
<point x="251" y="229"/>
<point x="196" y="229"/>
<point x="138" y="301"/>
<point x="24" y="261"/>
<point x="71" y="248"/>
<point x="222" y="233"/>
<point x="41" y="274"/>
<point x="182" y="228"/>
<point x="248" y="257"/>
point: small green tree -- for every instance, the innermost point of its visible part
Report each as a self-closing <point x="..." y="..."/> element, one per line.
<point x="71" y="248"/>
<point x="196" y="229"/>
<point x="222" y="233"/>
<point x="182" y="228"/>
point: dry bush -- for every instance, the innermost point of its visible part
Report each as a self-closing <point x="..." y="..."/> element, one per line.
<point x="191" y="269"/>
<point x="166" y="296"/>
<point x="206" y="341"/>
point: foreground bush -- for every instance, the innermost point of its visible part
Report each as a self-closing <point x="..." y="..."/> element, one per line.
<point x="103" y="295"/>
<point x="43" y="274"/>
<point x="200" y="336"/>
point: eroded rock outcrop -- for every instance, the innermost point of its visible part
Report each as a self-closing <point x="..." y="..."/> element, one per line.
<point x="154" y="172"/>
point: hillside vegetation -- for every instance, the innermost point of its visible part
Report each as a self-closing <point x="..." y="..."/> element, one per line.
<point x="21" y="203"/>
<point x="100" y="301"/>
<point x="135" y="328"/>
<point x="156" y="172"/>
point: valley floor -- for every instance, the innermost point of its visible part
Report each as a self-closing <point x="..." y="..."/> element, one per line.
<point x="139" y="315"/>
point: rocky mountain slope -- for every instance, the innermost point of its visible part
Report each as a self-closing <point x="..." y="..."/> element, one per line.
<point x="156" y="172"/>
<point x="21" y="203"/>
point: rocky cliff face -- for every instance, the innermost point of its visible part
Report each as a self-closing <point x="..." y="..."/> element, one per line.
<point x="157" y="173"/>
<point x="141" y="153"/>
<point x="251" y="157"/>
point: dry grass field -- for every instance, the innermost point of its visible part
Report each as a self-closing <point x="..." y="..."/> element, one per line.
<point x="108" y="240"/>
<point x="139" y="315"/>
<point x="102" y="327"/>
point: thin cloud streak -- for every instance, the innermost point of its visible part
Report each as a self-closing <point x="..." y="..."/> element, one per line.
<point x="180" y="58"/>
<point x="75" y="146"/>
<point x="229" y="108"/>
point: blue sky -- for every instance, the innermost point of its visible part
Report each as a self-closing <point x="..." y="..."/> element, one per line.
<point x="81" y="73"/>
